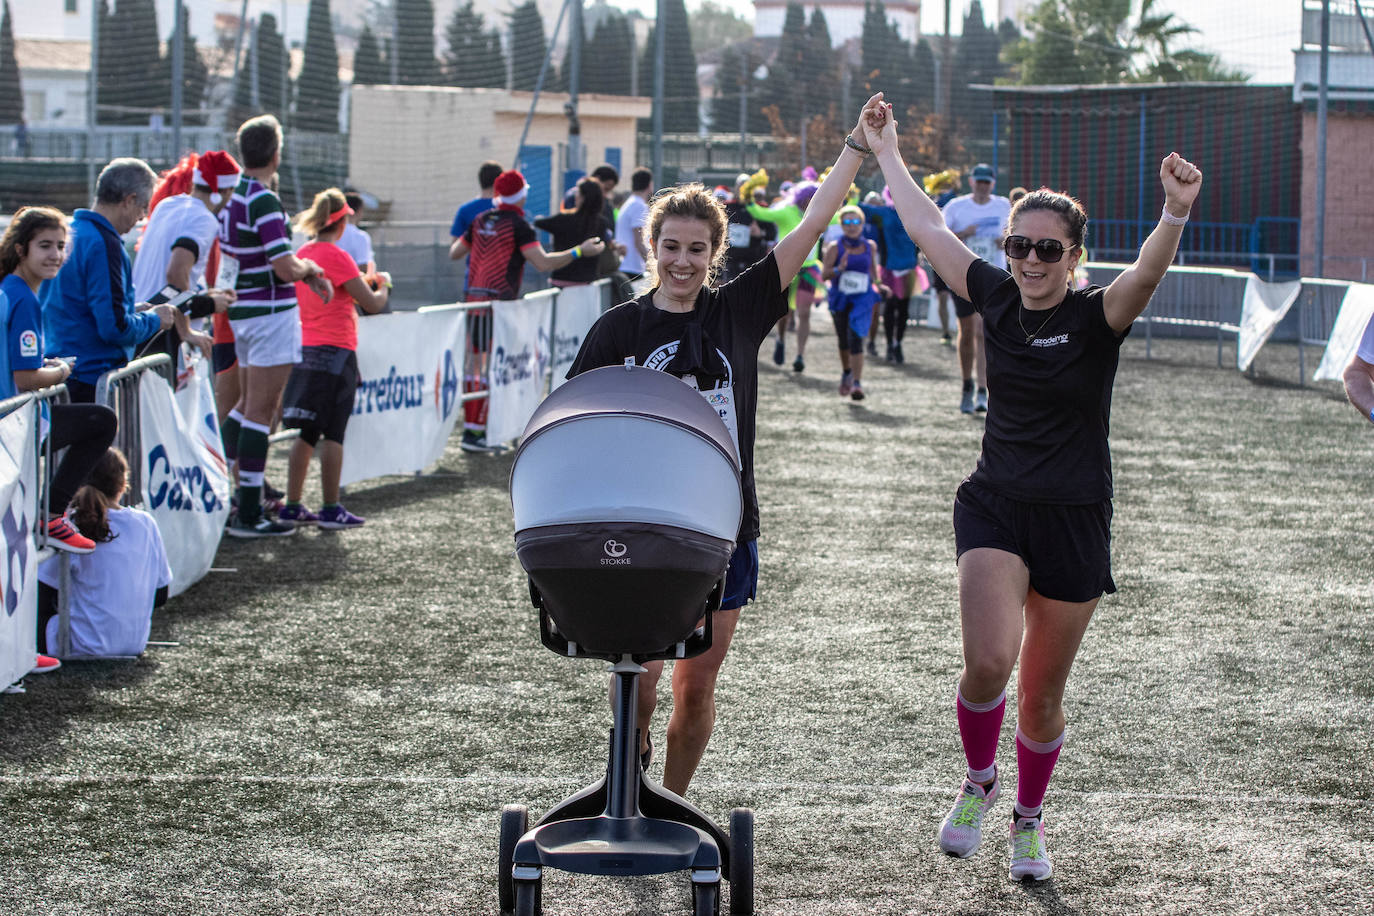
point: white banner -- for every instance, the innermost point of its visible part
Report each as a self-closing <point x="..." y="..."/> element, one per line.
<point x="577" y="310"/>
<point x="1356" y="309"/>
<point x="519" y="357"/>
<point x="1263" y="308"/>
<point x="19" y="576"/>
<point x="185" y="480"/>
<point x="410" y="367"/>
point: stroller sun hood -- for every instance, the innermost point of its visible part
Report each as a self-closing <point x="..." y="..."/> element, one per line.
<point x="627" y="501"/>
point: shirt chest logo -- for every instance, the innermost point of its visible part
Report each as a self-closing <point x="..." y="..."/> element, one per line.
<point x="1055" y="341"/>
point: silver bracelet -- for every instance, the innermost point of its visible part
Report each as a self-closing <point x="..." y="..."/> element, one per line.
<point x="853" y="144"/>
<point x="1169" y="219"/>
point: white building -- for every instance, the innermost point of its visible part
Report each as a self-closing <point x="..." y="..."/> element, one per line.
<point x="844" y="18"/>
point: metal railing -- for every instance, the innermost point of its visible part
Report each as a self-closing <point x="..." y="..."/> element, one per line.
<point x="118" y="389"/>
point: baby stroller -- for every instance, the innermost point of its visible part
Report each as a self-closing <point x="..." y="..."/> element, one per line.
<point x="626" y="492"/>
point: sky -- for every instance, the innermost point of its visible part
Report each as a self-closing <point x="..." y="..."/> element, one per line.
<point x="1257" y="36"/>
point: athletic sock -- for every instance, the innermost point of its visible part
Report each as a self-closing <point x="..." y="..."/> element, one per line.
<point x="474" y="411"/>
<point x="229" y="435"/>
<point x="1034" y="763"/>
<point x="980" y="725"/>
<point x="252" y="462"/>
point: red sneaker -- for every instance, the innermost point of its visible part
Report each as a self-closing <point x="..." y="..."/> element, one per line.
<point x="63" y="536"/>
<point x="45" y="663"/>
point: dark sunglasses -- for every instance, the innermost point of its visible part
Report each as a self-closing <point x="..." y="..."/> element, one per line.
<point x="851" y="222"/>
<point x="1018" y="247"/>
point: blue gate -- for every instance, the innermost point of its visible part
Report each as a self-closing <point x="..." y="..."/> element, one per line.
<point x="536" y="164"/>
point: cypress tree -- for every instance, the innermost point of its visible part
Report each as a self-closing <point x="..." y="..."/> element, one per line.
<point x="11" y="92"/>
<point x="317" y="87"/>
<point x="681" y="94"/>
<point x="129" y="49"/>
<point x="368" y="66"/>
<point x="194" y="74"/>
<point x="824" y="81"/>
<point x="976" y="62"/>
<point x="474" y="56"/>
<point x="607" y="56"/>
<point x="737" y="65"/>
<point x="788" y="74"/>
<point x="271" y="64"/>
<point x="417" y="65"/>
<point x="527" y="45"/>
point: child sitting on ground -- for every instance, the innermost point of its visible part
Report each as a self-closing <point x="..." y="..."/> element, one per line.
<point x="115" y="588"/>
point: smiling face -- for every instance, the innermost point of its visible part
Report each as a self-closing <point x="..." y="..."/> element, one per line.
<point x="852" y="224"/>
<point x="1042" y="282"/>
<point x="44" y="254"/>
<point x="683" y="251"/>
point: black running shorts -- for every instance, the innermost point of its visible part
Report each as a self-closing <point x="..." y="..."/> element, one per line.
<point x="319" y="394"/>
<point x="1066" y="548"/>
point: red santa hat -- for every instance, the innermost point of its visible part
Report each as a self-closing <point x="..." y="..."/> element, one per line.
<point x="217" y="171"/>
<point x="510" y="187"/>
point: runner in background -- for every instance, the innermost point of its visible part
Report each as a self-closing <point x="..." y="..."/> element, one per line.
<point x="899" y="260"/>
<point x="979" y="220"/>
<point x="807" y="285"/>
<point x="746" y="237"/>
<point x="942" y="187"/>
<point x="852" y="266"/>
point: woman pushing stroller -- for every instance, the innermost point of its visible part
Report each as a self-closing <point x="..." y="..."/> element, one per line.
<point x="710" y="337"/>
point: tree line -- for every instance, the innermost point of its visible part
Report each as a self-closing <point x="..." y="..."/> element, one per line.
<point x="776" y="86"/>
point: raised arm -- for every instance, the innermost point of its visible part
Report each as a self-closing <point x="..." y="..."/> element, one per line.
<point x="920" y="217"/>
<point x="792" y="250"/>
<point x="1130" y="292"/>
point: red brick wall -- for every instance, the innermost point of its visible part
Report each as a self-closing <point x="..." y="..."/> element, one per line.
<point x="1349" y="236"/>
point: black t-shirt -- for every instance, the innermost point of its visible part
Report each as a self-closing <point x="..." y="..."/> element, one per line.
<point x="735" y="318"/>
<point x="569" y="230"/>
<point x="1051" y="397"/>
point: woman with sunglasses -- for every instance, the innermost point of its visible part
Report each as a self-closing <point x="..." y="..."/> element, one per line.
<point x="851" y="265"/>
<point x="1031" y="523"/>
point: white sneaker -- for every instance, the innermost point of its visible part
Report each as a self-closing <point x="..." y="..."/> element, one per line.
<point x="1030" y="858"/>
<point x="962" y="829"/>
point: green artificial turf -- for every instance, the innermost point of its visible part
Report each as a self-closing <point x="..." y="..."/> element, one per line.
<point x="347" y="712"/>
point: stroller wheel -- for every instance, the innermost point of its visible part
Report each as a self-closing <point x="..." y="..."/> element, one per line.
<point x="514" y="822"/>
<point x="741" y="861"/>
<point x="528" y="898"/>
<point x="706" y="899"/>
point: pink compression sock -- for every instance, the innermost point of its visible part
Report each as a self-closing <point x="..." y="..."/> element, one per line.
<point x="1034" y="763"/>
<point x="980" y="725"/>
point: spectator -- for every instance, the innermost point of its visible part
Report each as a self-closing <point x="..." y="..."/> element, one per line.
<point x="487" y="173"/>
<point x="319" y="394"/>
<point x="900" y="272"/>
<point x="355" y="240"/>
<point x="606" y="176"/>
<point x="1359" y="375"/>
<point x="587" y="220"/>
<point x="747" y="237"/>
<point x="89" y="307"/>
<point x="500" y="241"/>
<point x="181" y="234"/>
<point x="31" y="251"/>
<point x="630" y="222"/>
<point x="257" y="261"/>
<point x="115" y="588"/>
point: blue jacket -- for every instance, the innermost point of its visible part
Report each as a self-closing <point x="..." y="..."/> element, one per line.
<point x="901" y="251"/>
<point x="88" y="308"/>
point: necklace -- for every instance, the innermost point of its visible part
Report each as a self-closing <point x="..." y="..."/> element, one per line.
<point x="1029" y="335"/>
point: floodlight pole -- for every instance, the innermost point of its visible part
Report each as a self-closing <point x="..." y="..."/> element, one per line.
<point x="1319" y="240"/>
<point x="574" y="83"/>
<point x="178" y="77"/>
<point x="660" y="44"/>
<point x="92" y="107"/>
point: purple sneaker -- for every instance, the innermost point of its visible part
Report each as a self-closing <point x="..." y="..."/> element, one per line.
<point x="298" y="513"/>
<point x="339" y="517"/>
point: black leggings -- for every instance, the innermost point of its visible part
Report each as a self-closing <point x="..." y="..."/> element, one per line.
<point x="896" y="313"/>
<point x="85" y="431"/>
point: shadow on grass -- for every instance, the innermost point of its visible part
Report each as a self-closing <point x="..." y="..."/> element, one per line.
<point x="474" y="472"/>
<point x="41" y="717"/>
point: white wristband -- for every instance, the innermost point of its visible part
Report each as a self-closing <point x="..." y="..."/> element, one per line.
<point x="1168" y="218"/>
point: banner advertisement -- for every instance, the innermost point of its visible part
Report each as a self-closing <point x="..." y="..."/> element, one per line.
<point x="519" y="357"/>
<point x="19" y="577"/>
<point x="1356" y="309"/>
<point x="185" y="478"/>
<point x="410" y="369"/>
<point x="577" y="310"/>
<point x="1263" y="308"/>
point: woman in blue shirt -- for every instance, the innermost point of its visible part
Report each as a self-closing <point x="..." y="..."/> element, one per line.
<point x="31" y="251"/>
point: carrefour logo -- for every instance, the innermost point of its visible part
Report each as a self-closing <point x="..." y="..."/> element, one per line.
<point x="615" y="553"/>
<point x="181" y="489"/>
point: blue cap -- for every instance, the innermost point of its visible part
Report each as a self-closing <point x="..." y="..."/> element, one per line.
<point x="982" y="172"/>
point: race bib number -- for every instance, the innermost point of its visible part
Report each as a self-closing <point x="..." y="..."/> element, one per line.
<point x="228" y="272"/>
<point x="985" y="248"/>
<point x="722" y="400"/>
<point x="739" y="235"/>
<point x="853" y="282"/>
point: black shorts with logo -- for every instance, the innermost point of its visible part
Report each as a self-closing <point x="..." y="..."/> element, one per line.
<point x="319" y="394"/>
<point x="1067" y="548"/>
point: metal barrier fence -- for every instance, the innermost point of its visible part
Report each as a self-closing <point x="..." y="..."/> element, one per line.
<point x="57" y="394"/>
<point x="118" y="389"/>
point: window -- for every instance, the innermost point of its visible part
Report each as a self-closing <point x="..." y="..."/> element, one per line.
<point x="71" y="6"/>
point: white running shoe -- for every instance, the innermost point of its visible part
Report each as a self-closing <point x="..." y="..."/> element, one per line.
<point x="962" y="829"/>
<point x="1030" y="857"/>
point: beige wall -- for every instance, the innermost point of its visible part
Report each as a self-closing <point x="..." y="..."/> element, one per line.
<point x="419" y="147"/>
<point x="1349" y="236"/>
